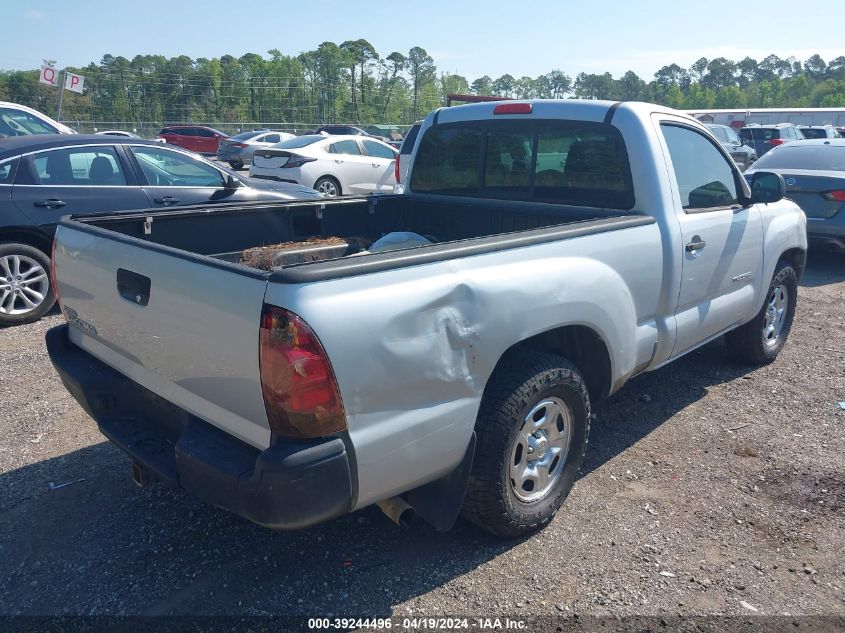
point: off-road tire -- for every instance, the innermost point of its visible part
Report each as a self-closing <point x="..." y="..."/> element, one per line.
<point x="512" y="392"/>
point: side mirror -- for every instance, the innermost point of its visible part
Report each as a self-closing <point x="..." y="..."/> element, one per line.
<point x="767" y="187"/>
<point x="234" y="183"/>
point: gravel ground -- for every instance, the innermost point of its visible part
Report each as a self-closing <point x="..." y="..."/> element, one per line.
<point x="708" y="488"/>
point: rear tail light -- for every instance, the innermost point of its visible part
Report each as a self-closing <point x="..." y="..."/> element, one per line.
<point x="837" y="196"/>
<point x="296" y="160"/>
<point x="396" y="169"/>
<point x="513" y="108"/>
<point x="237" y="144"/>
<point x="776" y="142"/>
<point x="299" y="387"/>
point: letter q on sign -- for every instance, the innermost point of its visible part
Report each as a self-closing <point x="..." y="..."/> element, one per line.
<point x="49" y="76"/>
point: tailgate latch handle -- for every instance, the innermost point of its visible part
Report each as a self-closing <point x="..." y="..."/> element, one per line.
<point x="133" y="287"/>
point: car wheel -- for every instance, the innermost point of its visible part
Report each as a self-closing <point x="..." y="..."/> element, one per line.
<point x="328" y="186"/>
<point x="531" y="435"/>
<point x="760" y="340"/>
<point x="236" y="164"/>
<point x="25" y="291"/>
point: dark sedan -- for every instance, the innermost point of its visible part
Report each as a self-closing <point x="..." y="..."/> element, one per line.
<point x="45" y="177"/>
<point x="814" y="172"/>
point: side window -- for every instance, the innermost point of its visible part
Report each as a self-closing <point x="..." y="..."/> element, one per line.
<point x="345" y="147"/>
<point x="185" y="131"/>
<point x="93" y="166"/>
<point x="705" y="178"/>
<point x="732" y="137"/>
<point x="507" y="163"/>
<point x="162" y="167"/>
<point x="7" y="171"/>
<point x="204" y="133"/>
<point x="272" y="138"/>
<point x="378" y="150"/>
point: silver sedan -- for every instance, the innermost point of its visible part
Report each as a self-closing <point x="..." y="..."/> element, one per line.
<point x="238" y="150"/>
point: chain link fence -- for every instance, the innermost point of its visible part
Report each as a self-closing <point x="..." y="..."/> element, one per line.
<point x="148" y="129"/>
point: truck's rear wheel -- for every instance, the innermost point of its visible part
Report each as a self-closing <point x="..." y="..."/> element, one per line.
<point x="25" y="291"/>
<point x="760" y="340"/>
<point x="531" y="432"/>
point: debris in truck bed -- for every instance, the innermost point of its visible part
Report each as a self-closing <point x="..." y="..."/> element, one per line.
<point x="273" y="255"/>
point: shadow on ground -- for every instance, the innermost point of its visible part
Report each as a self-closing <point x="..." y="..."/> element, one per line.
<point x="101" y="545"/>
<point x="823" y="268"/>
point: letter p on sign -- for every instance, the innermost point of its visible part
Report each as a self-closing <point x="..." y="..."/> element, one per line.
<point x="73" y="82"/>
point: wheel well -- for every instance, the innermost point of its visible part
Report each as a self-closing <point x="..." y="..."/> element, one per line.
<point x="798" y="258"/>
<point x="580" y="344"/>
<point x="36" y="239"/>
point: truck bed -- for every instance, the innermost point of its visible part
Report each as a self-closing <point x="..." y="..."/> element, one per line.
<point x="456" y="228"/>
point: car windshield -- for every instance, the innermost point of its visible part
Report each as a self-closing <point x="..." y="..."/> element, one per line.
<point x="300" y="141"/>
<point x="814" y="132"/>
<point x="798" y="156"/>
<point x="19" y="123"/>
<point x="244" y="136"/>
<point x="759" y="133"/>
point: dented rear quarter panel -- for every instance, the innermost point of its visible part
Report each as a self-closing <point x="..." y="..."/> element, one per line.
<point x="414" y="348"/>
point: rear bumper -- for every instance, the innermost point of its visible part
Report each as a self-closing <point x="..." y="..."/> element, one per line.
<point x="287" y="486"/>
<point x="236" y="154"/>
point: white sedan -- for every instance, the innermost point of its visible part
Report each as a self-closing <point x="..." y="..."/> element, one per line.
<point x="333" y="165"/>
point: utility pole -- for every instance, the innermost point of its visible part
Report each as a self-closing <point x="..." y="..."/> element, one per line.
<point x="61" y="94"/>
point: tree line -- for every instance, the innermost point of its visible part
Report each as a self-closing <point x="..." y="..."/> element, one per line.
<point x="351" y="82"/>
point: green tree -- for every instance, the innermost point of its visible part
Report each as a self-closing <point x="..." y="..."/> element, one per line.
<point x="421" y="68"/>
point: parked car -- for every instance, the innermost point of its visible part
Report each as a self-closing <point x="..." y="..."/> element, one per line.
<point x="762" y="138"/>
<point x="348" y="130"/>
<point x="742" y="154"/>
<point x="405" y="151"/>
<point x="238" y="150"/>
<point x="18" y="120"/>
<point x="819" y="131"/>
<point x="44" y="177"/>
<point x="814" y="172"/>
<point x="197" y="138"/>
<point x="459" y="366"/>
<point x="124" y="135"/>
<point x="333" y="165"/>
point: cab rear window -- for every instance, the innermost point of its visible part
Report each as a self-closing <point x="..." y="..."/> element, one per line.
<point x="561" y="162"/>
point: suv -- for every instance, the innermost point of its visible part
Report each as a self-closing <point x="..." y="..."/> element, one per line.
<point x="819" y="131"/>
<point x="197" y="138"/>
<point x="762" y="138"/>
<point x="743" y="155"/>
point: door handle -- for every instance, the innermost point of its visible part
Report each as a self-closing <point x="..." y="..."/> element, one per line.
<point x="166" y="200"/>
<point x="339" y="162"/>
<point x="696" y="244"/>
<point x="374" y="164"/>
<point x="51" y="203"/>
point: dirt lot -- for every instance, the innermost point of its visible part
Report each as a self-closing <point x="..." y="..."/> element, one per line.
<point x="708" y="488"/>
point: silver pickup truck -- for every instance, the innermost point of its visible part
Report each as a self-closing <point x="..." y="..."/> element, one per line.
<point x="434" y="352"/>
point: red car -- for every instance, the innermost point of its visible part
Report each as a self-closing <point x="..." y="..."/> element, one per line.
<point x="197" y="138"/>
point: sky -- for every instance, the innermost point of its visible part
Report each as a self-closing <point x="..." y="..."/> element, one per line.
<point x="467" y="37"/>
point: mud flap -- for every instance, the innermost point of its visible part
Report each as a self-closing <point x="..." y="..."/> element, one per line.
<point x="439" y="502"/>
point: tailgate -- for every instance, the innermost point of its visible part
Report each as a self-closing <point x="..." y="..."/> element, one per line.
<point x="186" y="328"/>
